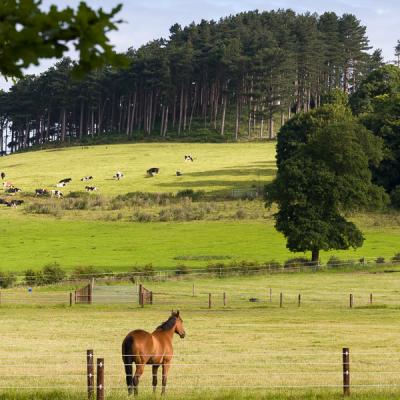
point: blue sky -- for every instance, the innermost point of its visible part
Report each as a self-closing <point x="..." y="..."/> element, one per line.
<point x="149" y="19"/>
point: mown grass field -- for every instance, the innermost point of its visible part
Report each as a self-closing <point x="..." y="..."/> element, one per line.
<point x="111" y="239"/>
<point x="243" y="350"/>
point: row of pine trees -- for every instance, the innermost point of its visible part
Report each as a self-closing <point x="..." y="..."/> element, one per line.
<point x="242" y="76"/>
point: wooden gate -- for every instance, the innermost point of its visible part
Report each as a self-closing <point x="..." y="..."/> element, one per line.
<point x="84" y="295"/>
<point x="145" y="296"/>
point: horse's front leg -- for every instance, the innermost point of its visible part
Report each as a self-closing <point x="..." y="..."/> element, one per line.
<point x="155" y="371"/>
<point x="165" y="370"/>
<point x="138" y="373"/>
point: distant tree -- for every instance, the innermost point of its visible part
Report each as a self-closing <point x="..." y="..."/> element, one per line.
<point x="377" y="102"/>
<point x="397" y="53"/>
<point x="29" y="34"/>
<point x="323" y="172"/>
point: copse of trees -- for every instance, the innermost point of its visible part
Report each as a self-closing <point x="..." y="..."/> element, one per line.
<point x="240" y="76"/>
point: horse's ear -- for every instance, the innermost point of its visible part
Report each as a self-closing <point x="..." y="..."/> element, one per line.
<point x="177" y="313"/>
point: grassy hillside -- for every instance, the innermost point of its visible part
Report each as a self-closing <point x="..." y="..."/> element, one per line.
<point x="216" y="167"/>
<point x="108" y="235"/>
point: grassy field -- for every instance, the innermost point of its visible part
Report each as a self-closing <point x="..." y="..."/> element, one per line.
<point x="108" y="237"/>
<point x="216" y="167"/>
<point x="243" y="350"/>
<point x="33" y="242"/>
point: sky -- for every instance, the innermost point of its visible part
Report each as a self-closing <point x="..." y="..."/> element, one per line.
<point x="145" y="20"/>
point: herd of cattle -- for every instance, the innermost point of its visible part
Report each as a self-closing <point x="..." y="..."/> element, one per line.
<point x="10" y="189"/>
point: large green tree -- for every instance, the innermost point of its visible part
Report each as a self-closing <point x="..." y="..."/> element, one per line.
<point x="29" y="34"/>
<point x="377" y="103"/>
<point x="323" y="172"/>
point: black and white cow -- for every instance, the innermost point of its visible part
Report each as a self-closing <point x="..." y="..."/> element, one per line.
<point x="56" y="193"/>
<point x="90" y="188"/>
<point x="41" y="192"/>
<point x="65" y="180"/>
<point x="118" y="175"/>
<point x="15" y="203"/>
<point x="153" y="171"/>
<point x="189" y="158"/>
<point x="61" y="184"/>
<point x="87" y="178"/>
<point x="13" y="190"/>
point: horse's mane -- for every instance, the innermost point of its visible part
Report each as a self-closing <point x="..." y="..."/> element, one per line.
<point x="168" y="324"/>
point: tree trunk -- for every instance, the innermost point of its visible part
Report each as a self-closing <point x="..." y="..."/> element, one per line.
<point x="237" y="119"/>
<point x="223" y="115"/>
<point x="81" y="121"/>
<point x="315" y="256"/>
<point x="63" y="114"/>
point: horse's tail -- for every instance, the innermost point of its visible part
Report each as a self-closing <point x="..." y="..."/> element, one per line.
<point x="127" y="358"/>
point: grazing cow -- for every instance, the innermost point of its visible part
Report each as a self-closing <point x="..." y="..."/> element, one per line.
<point x="41" y="192"/>
<point x="118" y="175"/>
<point x="153" y="171"/>
<point x="65" y="180"/>
<point x="178" y="173"/>
<point x="189" y="158"/>
<point x="13" y="190"/>
<point x="3" y="176"/>
<point x="15" y="203"/>
<point x="56" y="193"/>
<point x="90" y="188"/>
<point x="2" y="201"/>
<point x="86" y="178"/>
<point x="61" y="184"/>
<point x="8" y="184"/>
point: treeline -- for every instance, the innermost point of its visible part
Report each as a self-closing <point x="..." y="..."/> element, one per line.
<point x="241" y="76"/>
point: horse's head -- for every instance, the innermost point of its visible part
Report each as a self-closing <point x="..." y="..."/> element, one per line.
<point x="179" y="329"/>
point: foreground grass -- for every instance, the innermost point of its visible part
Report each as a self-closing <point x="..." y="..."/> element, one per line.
<point x="208" y="395"/>
<point x="259" y="347"/>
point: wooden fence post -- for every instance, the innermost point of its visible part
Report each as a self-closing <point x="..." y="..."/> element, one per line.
<point x="280" y="300"/>
<point x="299" y="300"/>
<point x="351" y="300"/>
<point x="90" y="374"/>
<point x="70" y="299"/>
<point x="270" y="295"/>
<point x="209" y="300"/>
<point x="370" y="298"/>
<point x="151" y="297"/>
<point x="90" y="294"/>
<point x="100" y="379"/>
<point x="141" y="302"/>
<point x="346" y="372"/>
<point x="224" y="299"/>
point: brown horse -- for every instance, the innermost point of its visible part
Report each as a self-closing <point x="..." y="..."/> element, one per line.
<point x="141" y="347"/>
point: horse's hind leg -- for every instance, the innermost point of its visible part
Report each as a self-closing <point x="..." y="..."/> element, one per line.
<point x="138" y="373"/>
<point x="128" y="373"/>
<point x="154" y="371"/>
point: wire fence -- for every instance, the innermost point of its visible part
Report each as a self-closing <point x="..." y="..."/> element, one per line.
<point x="193" y="297"/>
<point x="269" y="370"/>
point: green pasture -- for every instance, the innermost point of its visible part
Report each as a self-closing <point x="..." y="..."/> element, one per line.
<point x="32" y="242"/>
<point x="242" y="351"/>
<point x="109" y="239"/>
<point x="216" y="167"/>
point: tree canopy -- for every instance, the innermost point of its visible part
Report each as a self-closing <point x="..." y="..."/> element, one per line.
<point x="243" y="75"/>
<point x="29" y="34"/>
<point x="377" y="102"/>
<point x="323" y="172"/>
